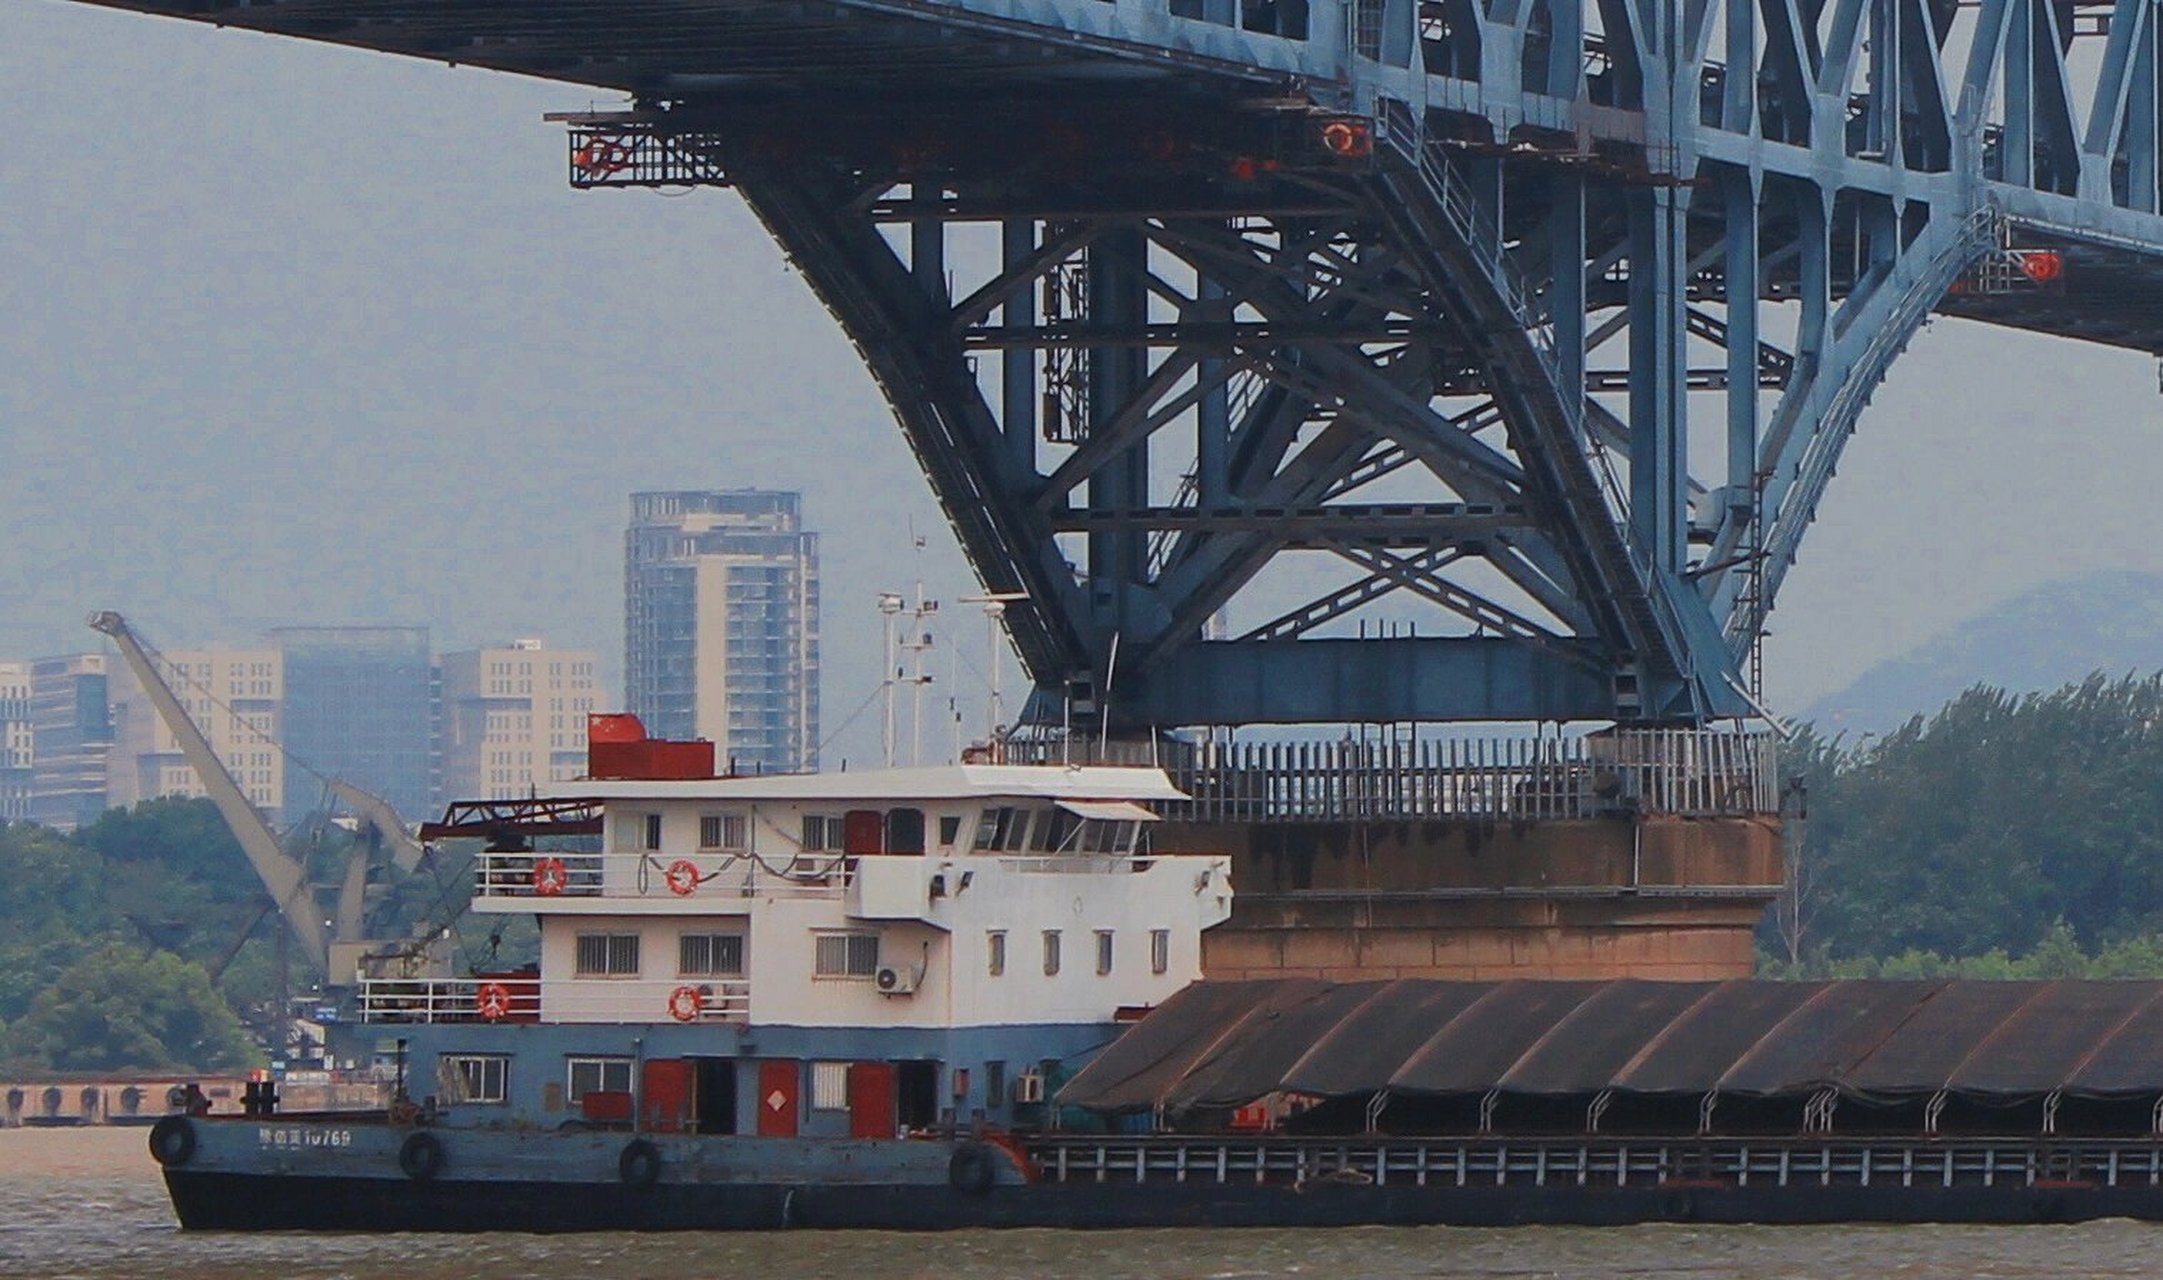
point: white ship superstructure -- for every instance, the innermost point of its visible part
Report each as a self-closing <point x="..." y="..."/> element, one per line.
<point x="899" y="947"/>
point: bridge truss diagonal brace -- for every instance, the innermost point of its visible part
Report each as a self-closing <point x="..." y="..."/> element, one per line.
<point x="902" y="333"/>
<point x="1662" y="643"/>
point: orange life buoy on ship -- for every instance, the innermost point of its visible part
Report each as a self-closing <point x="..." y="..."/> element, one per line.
<point x="682" y="876"/>
<point x="550" y="877"/>
<point x="493" y="1001"/>
<point x="686" y="1003"/>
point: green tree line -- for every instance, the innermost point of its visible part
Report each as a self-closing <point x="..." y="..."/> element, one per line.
<point x="111" y="938"/>
<point x="2005" y="836"/>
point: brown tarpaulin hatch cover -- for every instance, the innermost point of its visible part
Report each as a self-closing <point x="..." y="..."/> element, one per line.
<point x="1223" y="1044"/>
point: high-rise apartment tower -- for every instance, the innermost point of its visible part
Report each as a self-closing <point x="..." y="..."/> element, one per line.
<point x="721" y="624"/>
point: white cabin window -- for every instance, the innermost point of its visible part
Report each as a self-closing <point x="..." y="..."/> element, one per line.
<point x="598" y="1075"/>
<point x="474" y="1077"/>
<point x="1160" y="950"/>
<point x="996" y="942"/>
<point x="607" y="955"/>
<point x="829" y="1086"/>
<point x="638" y="831"/>
<point x="723" y="831"/>
<point x="1051" y="952"/>
<point x="822" y="833"/>
<point x="1104" y="951"/>
<point x="845" y="955"/>
<point x="710" y="955"/>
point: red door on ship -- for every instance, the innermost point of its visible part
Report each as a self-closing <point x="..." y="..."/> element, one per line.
<point x="780" y="1083"/>
<point x="667" y="1095"/>
<point x="871" y="1100"/>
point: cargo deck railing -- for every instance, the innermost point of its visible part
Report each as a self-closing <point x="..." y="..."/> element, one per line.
<point x="1607" y="1162"/>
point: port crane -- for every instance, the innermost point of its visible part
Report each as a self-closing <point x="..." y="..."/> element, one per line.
<point x="335" y="945"/>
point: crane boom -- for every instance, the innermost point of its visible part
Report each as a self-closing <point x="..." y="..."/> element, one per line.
<point x="406" y="851"/>
<point x="283" y="876"/>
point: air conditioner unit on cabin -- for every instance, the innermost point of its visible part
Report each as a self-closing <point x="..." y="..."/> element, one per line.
<point x="1029" y="1087"/>
<point x="893" y="981"/>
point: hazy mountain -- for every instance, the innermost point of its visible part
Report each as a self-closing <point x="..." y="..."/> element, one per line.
<point x="2108" y="621"/>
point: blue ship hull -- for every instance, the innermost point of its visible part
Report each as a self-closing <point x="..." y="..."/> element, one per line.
<point x="322" y="1174"/>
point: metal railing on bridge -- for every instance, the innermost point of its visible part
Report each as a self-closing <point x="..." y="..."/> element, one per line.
<point x="1622" y="772"/>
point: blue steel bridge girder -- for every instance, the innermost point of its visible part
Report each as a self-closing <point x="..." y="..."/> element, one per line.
<point x="1463" y="367"/>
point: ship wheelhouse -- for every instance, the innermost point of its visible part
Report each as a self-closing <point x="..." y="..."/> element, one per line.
<point x="852" y="954"/>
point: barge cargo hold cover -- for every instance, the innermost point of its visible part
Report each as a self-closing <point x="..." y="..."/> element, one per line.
<point x="2043" y="1058"/>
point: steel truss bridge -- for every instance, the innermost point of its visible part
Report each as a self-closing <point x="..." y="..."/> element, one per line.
<point x="1550" y="315"/>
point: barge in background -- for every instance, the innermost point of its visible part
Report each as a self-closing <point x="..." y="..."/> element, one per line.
<point x="923" y="998"/>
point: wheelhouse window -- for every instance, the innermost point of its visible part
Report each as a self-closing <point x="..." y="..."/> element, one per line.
<point x="1104" y="951"/>
<point x="995" y="941"/>
<point x="1160" y="950"/>
<point x="1101" y="836"/>
<point x="475" y="1077"/>
<point x="710" y="955"/>
<point x="1004" y="829"/>
<point x="1054" y="830"/>
<point x="1051" y="952"/>
<point x="845" y="955"/>
<point x="597" y="1075"/>
<point x="724" y="831"/>
<point x="607" y="955"/>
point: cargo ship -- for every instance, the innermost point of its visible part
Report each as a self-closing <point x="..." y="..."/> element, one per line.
<point x="972" y="995"/>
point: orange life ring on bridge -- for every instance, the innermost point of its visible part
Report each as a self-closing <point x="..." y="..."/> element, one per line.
<point x="2042" y="265"/>
<point x="602" y="156"/>
<point x="1348" y="139"/>
<point x="682" y="876"/>
<point x="493" y="1001"/>
<point x="550" y="877"/>
<point x="686" y="1003"/>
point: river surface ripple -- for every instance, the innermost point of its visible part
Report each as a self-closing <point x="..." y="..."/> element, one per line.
<point x="88" y="1203"/>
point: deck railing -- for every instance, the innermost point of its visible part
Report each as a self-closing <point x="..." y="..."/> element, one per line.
<point x="1681" y="772"/>
<point x="530" y="999"/>
<point x="655" y="874"/>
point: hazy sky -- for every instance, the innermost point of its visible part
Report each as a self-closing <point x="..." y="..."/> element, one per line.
<point x="299" y="334"/>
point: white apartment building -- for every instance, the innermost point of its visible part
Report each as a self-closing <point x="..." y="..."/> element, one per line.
<point x="18" y="754"/>
<point x="233" y="695"/>
<point x="513" y="718"/>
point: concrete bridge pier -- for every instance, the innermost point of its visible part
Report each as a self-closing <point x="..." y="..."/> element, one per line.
<point x="1648" y="897"/>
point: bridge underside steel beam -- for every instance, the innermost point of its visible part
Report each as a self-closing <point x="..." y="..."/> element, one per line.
<point x="1229" y="332"/>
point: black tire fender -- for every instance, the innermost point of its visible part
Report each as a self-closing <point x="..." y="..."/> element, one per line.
<point x="172" y="1141"/>
<point x="971" y="1169"/>
<point x="640" y="1164"/>
<point x="420" y="1156"/>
